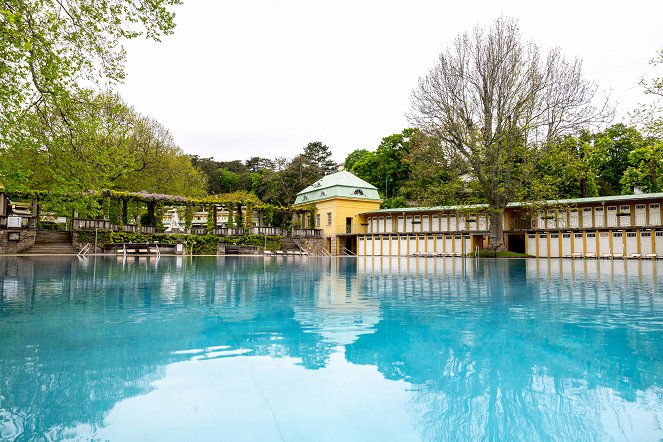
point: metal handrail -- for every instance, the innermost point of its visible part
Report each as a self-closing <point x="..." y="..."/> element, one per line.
<point x="84" y="250"/>
<point x="348" y="251"/>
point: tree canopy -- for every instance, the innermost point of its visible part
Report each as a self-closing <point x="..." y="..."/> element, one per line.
<point x="499" y="103"/>
<point x="103" y="144"/>
<point x="48" y="48"/>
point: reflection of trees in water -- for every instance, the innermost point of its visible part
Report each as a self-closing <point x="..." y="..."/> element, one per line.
<point x="530" y="367"/>
<point x="59" y="315"/>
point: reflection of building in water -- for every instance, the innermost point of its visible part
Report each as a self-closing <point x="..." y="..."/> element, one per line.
<point x="339" y="312"/>
<point x="520" y="349"/>
<point x="508" y="349"/>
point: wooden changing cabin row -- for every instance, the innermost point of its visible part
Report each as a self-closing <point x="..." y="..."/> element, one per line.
<point x="637" y="243"/>
<point x="613" y="226"/>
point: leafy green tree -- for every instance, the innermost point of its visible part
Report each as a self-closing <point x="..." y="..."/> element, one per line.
<point x="297" y="174"/>
<point x="435" y="177"/>
<point x="617" y="141"/>
<point x="370" y="168"/>
<point x="353" y="157"/>
<point x="258" y="164"/>
<point x="385" y="168"/>
<point x="48" y="48"/>
<point x="319" y="155"/>
<point x="228" y="181"/>
<point x="645" y="170"/>
<point x="569" y="169"/>
<point x="392" y="152"/>
<point x="499" y="104"/>
<point x="103" y="144"/>
<point x="210" y="168"/>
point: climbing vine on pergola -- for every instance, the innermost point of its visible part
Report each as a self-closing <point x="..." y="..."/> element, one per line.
<point x="127" y="204"/>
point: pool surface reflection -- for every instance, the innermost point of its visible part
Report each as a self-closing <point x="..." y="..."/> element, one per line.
<point x="312" y="349"/>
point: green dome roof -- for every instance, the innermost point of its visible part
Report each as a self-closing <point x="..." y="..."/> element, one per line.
<point x="338" y="185"/>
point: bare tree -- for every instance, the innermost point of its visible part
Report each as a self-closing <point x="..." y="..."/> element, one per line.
<point x="500" y="103"/>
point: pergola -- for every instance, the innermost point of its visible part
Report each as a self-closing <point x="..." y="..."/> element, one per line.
<point x="120" y="207"/>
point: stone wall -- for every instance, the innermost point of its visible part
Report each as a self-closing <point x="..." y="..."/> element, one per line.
<point x="313" y="245"/>
<point x="7" y="246"/>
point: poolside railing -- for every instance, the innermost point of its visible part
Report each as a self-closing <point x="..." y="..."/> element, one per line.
<point x="92" y="224"/>
<point x="298" y="233"/>
<point x="267" y="230"/>
<point x="227" y="231"/>
<point x="101" y="224"/>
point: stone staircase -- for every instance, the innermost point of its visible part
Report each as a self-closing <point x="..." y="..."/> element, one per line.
<point x="289" y="245"/>
<point x="52" y="243"/>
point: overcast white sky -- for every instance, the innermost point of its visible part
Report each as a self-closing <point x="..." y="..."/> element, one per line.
<point x="264" y="77"/>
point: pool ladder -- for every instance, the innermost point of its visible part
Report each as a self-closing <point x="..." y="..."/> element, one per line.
<point x="84" y="250"/>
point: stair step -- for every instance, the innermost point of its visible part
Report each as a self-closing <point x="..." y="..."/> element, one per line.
<point x="52" y="243"/>
<point x="289" y="245"/>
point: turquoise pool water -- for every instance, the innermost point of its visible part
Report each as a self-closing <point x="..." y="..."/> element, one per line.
<point x="308" y="349"/>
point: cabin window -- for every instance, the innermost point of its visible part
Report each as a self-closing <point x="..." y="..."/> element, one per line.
<point x="645" y="234"/>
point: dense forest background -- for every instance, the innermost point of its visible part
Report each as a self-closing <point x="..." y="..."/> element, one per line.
<point x="412" y="169"/>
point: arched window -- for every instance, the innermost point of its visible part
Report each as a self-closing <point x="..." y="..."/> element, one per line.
<point x="358" y="192"/>
<point x="304" y="198"/>
<point x="322" y="194"/>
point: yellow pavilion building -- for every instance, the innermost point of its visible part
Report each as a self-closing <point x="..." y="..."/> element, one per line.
<point x="340" y="201"/>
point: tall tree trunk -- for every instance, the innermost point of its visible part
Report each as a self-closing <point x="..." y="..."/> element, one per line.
<point x="496" y="238"/>
<point x="150" y="213"/>
<point x="125" y="212"/>
<point x="583" y="187"/>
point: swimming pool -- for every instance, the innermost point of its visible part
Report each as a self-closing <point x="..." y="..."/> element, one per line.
<point x="312" y="349"/>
